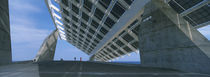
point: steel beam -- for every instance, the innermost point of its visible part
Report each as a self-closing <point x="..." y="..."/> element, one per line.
<point x="202" y="25"/>
<point x="197" y="6"/>
<point x="132" y="13"/>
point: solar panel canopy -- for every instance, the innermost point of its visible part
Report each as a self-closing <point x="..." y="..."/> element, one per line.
<point x="108" y="29"/>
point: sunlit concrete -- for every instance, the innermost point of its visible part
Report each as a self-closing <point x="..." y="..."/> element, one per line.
<point x="88" y="69"/>
<point x="47" y="49"/>
<point x="168" y="41"/>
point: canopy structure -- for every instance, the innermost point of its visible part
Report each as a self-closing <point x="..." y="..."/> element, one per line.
<point x="107" y="29"/>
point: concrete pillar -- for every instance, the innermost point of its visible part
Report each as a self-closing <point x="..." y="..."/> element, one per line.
<point x="47" y="50"/>
<point x="92" y="58"/>
<point x="5" y="41"/>
<point x="166" y="40"/>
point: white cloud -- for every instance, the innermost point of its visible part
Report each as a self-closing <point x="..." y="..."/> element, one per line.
<point x="23" y="27"/>
<point x="26" y="34"/>
<point x="26" y="38"/>
<point x="23" y="6"/>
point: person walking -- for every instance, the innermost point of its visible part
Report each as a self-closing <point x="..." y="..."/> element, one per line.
<point x="75" y="58"/>
<point x="80" y="58"/>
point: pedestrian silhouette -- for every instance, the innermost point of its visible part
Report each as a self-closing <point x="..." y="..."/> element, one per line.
<point x="75" y="58"/>
<point x="80" y="58"/>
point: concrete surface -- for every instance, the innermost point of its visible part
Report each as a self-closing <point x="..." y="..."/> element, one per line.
<point x="47" y="50"/>
<point x="92" y="58"/>
<point x="5" y="41"/>
<point x="168" y="41"/>
<point x="88" y="69"/>
<point x="20" y="70"/>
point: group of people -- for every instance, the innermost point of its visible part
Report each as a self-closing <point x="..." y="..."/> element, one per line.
<point x="75" y="59"/>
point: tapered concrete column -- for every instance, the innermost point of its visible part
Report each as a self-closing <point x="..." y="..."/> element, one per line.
<point x="92" y="58"/>
<point x="47" y="50"/>
<point x="5" y="41"/>
<point x="168" y="41"/>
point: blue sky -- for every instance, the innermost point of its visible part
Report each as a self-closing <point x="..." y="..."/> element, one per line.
<point x="31" y="23"/>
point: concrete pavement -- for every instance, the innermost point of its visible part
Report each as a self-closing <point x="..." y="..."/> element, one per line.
<point x="88" y="69"/>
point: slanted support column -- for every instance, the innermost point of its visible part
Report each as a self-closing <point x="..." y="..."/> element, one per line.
<point x="47" y="50"/>
<point x="166" y="40"/>
<point x="92" y="58"/>
<point x="5" y="40"/>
